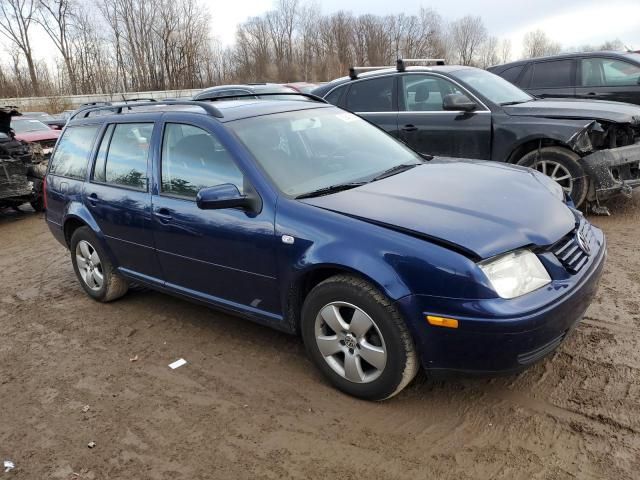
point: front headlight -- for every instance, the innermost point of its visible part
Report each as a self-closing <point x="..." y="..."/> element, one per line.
<point x="515" y="273"/>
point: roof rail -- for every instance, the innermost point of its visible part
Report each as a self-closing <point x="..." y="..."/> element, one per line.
<point x="310" y="96"/>
<point x="400" y="65"/>
<point x="117" y="109"/>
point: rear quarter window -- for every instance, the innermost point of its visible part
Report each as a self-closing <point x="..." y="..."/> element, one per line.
<point x="512" y="74"/>
<point x="72" y="153"/>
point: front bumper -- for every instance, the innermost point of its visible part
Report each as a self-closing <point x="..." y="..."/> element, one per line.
<point x="497" y="335"/>
<point x="613" y="171"/>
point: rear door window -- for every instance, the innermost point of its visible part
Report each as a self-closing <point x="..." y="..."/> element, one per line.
<point x="192" y="159"/>
<point x="122" y="156"/>
<point x="552" y="74"/>
<point x="375" y="95"/>
<point x="72" y="154"/>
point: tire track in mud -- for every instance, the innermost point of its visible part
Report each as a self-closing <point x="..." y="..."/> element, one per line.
<point x="249" y="404"/>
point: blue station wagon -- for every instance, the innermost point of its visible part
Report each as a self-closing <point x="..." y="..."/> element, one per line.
<point x="306" y="218"/>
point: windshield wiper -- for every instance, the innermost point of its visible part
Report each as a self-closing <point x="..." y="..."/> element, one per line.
<point x="403" y="167"/>
<point x="329" y="190"/>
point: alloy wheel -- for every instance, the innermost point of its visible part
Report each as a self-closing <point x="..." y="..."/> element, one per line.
<point x="89" y="265"/>
<point x="556" y="172"/>
<point x="350" y="342"/>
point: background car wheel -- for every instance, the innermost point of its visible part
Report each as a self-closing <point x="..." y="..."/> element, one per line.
<point x="38" y="204"/>
<point x="358" y="339"/>
<point x="563" y="166"/>
<point x="93" y="268"/>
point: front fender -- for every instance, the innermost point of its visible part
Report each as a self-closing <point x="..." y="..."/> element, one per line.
<point x="511" y="133"/>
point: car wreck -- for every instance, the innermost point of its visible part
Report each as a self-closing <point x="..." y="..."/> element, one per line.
<point x="608" y="145"/>
<point x="22" y="169"/>
<point x="590" y="148"/>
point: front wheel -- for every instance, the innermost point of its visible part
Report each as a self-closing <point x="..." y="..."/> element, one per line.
<point x="358" y="339"/>
<point x="563" y="166"/>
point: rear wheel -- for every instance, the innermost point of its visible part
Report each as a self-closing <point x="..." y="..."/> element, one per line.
<point x="93" y="268"/>
<point x="563" y="166"/>
<point x="357" y="338"/>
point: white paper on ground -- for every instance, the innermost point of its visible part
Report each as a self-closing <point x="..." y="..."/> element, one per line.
<point x="177" y="363"/>
<point x="9" y="465"/>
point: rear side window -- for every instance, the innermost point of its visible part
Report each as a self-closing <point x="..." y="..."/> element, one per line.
<point x="512" y="74"/>
<point x="122" y="156"/>
<point x="375" y="95"/>
<point x="192" y="159"/>
<point x="334" y="96"/>
<point x="552" y="74"/>
<point x="72" y="153"/>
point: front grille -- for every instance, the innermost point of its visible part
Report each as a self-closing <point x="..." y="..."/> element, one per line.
<point x="574" y="249"/>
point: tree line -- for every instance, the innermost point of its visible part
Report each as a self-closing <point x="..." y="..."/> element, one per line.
<point x="106" y="46"/>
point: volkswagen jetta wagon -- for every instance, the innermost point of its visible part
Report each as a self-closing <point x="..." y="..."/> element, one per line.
<point x="304" y="217"/>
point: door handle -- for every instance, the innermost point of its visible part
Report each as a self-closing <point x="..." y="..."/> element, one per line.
<point x="93" y="199"/>
<point x="409" y="128"/>
<point x="592" y="94"/>
<point x="163" y="215"/>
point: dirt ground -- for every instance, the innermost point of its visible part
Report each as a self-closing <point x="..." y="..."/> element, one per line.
<point x="249" y="404"/>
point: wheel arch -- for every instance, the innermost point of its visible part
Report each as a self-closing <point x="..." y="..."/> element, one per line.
<point x="532" y="144"/>
<point x="304" y="281"/>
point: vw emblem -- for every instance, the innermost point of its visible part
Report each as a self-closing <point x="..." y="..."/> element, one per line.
<point x="583" y="243"/>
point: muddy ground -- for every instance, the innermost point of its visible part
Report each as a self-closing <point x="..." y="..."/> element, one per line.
<point x="250" y="405"/>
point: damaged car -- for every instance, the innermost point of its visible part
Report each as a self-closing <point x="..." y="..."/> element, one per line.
<point x="22" y="167"/>
<point x="590" y="148"/>
<point x="306" y="218"/>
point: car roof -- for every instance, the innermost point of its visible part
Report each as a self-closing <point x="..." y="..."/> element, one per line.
<point x="562" y="56"/>
<point x="446" y="69"/>
<point x="252" y="87"/>
<point x="230" y="110"/>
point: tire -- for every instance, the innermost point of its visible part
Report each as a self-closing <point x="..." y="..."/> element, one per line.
<point x="562" y="162"/>
<point x="37" y="204"/>
<point x="369" y="325"/>
<point x="91" y="263"/>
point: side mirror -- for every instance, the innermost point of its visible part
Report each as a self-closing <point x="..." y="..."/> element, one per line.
<point x="457" y="102"/>
<point x="222" y="196"/>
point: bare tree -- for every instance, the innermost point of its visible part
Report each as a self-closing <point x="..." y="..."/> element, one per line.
<point x="538" y="44"/>
<point x="489" y="52"/>
<point x="467" y="35"/>
<point x="505" y="50"/>
<point x="15" y="20"/>
<point x="56" y="18"/>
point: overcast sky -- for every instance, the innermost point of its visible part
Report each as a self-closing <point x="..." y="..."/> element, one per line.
<point x="570" y="22"/>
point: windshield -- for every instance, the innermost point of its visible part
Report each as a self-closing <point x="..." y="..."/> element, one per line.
<point x="28" y="125"/>
<point x="309" y="150"/>
<point x="494" y="88"/>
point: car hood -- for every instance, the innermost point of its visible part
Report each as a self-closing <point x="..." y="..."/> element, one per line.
<point x="578" y="109"/>
<point x="38" y="136"/>
<point x="479" y="208"/>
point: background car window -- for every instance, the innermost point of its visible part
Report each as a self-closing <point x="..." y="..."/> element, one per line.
<point x="598" y="72"/>
<point x="512" y="74"/>
<point x="193" y="159"/>
<point x="373" y="95"/>
<point x="126" y="160"/>
<point x="424" y="93"/>
<point x="552" y="74"/>
<point x="72" y="152"/>
<point x="334" y="96"/>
